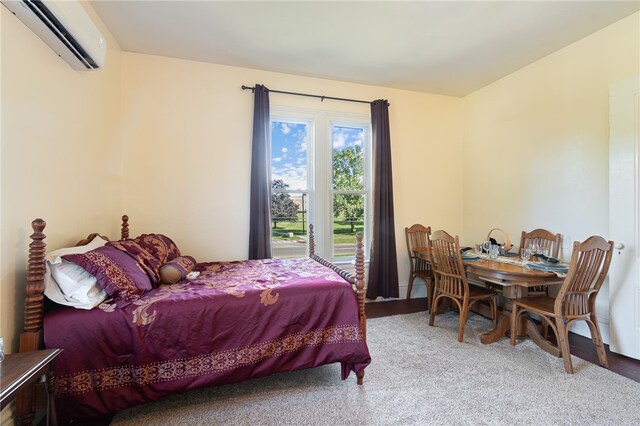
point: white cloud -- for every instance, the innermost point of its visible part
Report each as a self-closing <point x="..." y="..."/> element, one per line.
<point x="301" y="144"/>
<point x="284" y="127"/>
<point x="277" y="159"/>
<point x="285" y="149"/>
<point x="294" y="176"/>
<point x="339" y="140"/>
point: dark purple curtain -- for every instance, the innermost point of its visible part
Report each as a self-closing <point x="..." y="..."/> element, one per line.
<point x="260" y="204"/>
<point x="383" y="264"/>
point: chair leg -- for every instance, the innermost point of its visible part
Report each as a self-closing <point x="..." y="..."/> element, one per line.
<point x="464" y="315"/>
<point x="597" y="340"/>
<point x="430" y="289"/>
<point x="432" y="311"/>
<point x="410" y="286"/>
<point x="563" y="343"/>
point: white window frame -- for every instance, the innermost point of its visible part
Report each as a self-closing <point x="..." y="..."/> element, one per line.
<point x="320" y="171"/>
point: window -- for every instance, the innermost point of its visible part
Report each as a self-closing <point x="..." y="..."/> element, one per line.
<point x="320" y="173"/>
<point x="290" y="183"/>
<point x="349" y="194"/>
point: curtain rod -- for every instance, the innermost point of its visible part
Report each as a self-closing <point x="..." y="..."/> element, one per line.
<point x="322" y="98"/>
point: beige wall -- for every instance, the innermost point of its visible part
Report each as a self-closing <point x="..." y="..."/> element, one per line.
<point x="187" y="150"/>
<point x="60" y="155"/>
<point x="536" y="150"/>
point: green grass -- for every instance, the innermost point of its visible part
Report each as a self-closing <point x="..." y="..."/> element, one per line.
<point x="341" y="230"/>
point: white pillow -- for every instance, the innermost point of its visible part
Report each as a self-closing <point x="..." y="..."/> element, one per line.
<point x="56" y="255"/>
<point x="69" y="284"/>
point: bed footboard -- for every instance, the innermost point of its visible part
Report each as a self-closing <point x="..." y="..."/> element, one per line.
<point x="356" y="279"/>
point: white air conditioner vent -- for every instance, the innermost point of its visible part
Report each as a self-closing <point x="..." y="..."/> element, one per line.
<point x="66" y="27"/>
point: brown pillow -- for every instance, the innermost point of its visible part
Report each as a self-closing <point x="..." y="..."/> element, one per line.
<point x="177" y="269"/>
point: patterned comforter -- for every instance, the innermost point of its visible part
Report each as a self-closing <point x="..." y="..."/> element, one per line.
<point x="236" y="321"/>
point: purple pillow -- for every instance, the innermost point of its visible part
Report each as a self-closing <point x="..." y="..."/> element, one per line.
<point x="159" y="246"/>
<point x="151" y="251"/>
<point x="150" y="264"/>
<point x="177" y="269"/>
<point x="119" y="274"/>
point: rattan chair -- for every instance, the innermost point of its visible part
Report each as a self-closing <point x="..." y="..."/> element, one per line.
<point x="451" y="280"/>
<point x="576" y="299"/>
<point x="416" y="237"/>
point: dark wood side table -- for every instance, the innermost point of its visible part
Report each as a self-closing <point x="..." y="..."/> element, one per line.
<point x="23" y="369"/>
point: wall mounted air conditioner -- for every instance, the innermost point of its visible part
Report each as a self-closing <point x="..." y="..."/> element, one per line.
<point x="66" y="27"/>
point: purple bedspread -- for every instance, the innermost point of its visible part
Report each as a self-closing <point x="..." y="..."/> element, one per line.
<point x="236" y="321"/>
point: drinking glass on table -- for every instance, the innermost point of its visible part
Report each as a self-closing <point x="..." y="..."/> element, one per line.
<point x="486" y="246"/>
<point x="525" y="253"/>
<point x="494" y="251"/>
<point x="533" y="248"/>
<point x="479" y="248"/>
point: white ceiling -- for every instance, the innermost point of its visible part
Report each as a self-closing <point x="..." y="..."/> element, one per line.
<point x="445" y="47"/>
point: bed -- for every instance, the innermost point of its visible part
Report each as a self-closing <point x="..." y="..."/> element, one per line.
<point x="232" y="322"/>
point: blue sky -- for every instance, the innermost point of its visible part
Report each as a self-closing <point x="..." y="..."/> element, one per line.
<point x="289" y="153"/>
<point x="289" y="149"/>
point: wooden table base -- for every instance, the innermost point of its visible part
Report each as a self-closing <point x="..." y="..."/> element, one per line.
<point x="503" y="325"/>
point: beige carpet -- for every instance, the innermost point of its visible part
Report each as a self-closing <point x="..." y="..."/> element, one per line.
<point x="419" y="375"/>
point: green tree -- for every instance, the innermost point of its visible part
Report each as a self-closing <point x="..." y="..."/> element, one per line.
<point x="283" y="209"/>
<point x="348" y="173"/>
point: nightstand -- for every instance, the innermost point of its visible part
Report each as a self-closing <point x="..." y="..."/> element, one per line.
<point x="20" y="370"/>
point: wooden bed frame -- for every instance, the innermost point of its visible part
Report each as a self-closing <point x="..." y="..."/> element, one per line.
<point x="31" y="339"/>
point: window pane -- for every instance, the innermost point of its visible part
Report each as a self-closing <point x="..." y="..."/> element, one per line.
<point x="289" y="224"/>
<point x="348" y="218"/>
<point x="348" y="158"/>
<point x="289" y="154"/>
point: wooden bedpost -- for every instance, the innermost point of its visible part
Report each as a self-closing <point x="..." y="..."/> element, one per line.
<point x="31" y="337"/>
<point x="312" y="241"/>
<point x="356" y="280"/>
<point x="360" y="292"/>
<point x="124" y="232"/>
<point x="34" y="300"/>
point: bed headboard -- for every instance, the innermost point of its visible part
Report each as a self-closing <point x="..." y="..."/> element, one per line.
<point x="31" y="337"/>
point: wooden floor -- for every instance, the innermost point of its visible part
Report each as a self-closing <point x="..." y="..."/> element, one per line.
<point x="582" y="347"/>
